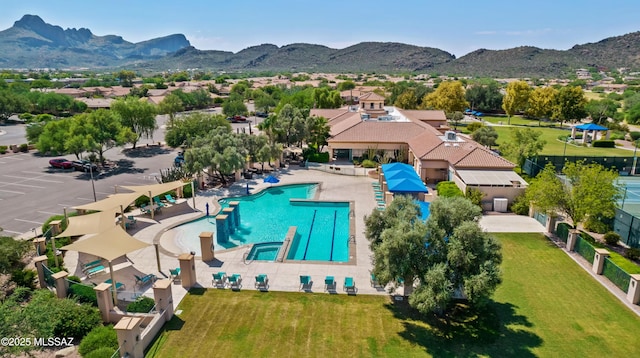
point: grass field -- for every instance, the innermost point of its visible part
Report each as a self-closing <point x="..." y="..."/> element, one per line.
<point x="547" y="306"/>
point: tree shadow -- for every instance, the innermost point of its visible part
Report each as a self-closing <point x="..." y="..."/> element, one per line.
<point x="150" y="150"/>
<point x="495" y="330"/>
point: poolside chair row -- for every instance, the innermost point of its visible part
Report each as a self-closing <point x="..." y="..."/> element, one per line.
<point x="330" y="284"/>
<point x="141" y="281"/>
<point x="93" y="268"/>
<point x="221" y="280"/>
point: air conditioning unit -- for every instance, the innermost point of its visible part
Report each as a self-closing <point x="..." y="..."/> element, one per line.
<point x="450" y="136"/>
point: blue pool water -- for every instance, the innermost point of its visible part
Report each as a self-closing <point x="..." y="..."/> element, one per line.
<point x="424" y="209"/>
<point x="267" y="251"/>
<point x="323" y="227"/>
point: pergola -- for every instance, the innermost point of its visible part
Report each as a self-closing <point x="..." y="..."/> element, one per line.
<point x="589" y="127"/>
<point x="153" y="190"/>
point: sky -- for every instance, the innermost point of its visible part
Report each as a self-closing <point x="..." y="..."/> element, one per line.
<point x="455" y="26"/>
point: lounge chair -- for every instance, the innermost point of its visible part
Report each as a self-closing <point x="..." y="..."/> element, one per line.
<point x="145" y="209"/>
<point x="235" y="281"/>
<point x="131" y="220"/>
<point x="174" y="274"/>
<point x="219" y="279"/>
<point x="157" y="201"/>
<point x="305" y="282"/>
<point x="329" y="283"/>
<point x="145" y="279"/>
<point x="262" y="282"/>
<point x="349" y="284"/>
<point x="374" y="282"/>
<point x="89" y="265"/>
<point x="170" y="198"/>
<point x="119" y="285"/>
<point x="94" y="270"/>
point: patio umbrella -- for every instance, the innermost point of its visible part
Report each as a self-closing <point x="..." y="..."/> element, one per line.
<point x="271" y="179"/>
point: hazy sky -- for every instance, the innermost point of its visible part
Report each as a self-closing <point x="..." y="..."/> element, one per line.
<point x="455" y="26"/>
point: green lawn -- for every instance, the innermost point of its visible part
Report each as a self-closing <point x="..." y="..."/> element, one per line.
<point x="547" y="306"/>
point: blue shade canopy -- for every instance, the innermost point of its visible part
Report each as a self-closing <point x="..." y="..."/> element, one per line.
<point x="591" y="127"/>
<point x="402" y="178"/>
<point x="271" y="179"/>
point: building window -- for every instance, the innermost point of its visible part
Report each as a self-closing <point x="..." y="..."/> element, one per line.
<point x="371" y="106"/>
<point x="380" y="106"/>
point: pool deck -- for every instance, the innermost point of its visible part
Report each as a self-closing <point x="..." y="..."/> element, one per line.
<point x="282" y="276"/>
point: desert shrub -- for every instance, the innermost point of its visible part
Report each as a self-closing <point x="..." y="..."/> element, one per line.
<point x="474" y="126"/>
<point x="100" y="337"/>
<point x="82" y="293"/>
<point x="142" y="200"/>
<point x="11" y="252"/>
<point x="448" y="189"/>
<point x="318" y="157"/>
<point x="186" y="191"/>
<point x="604" y="144"/>
<point x="634" y="135"/>
<point x="475" y="196"/>
<point x="369" y="163"/>
<point x="596" y="224"/>
<point x="632" y="253"/>
<point x="102" y="352"/>
<point x="24" y="278"/>
<point x="3" y="149"/>
<point x="611" y="238"/>
<point x="520" y="205"/>
<point x="74" y="320"/>
<point x="141" y="305"/>
<point x="24" y="147"/>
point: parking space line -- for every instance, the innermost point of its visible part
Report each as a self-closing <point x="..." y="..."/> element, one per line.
<point x="13" y="192"/>
<point x="39" y="173"/>
<point x="44" y="180"/>
<point x="103" y="193"/>
<point x="86" y="199"/>
<point x="67" y="205"/>
<point x="29" y="221"/>
<point x="13" y="232"/>
<point x="25" y="185"/>
<point x="48" y="213"/>
<point x="13" y="158"/>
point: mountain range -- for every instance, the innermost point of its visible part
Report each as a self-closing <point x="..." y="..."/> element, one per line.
<point x="32" y="43"/>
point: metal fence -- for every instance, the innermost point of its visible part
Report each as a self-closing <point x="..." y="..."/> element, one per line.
<point x="616" y="275"/>
<point x="562" y="231"/>
<point x="339" y="169"/>
<point x="540" y="217"/>
<point x="584" y="248"/>
<point x="48" y="276"/>
<point x="628" y="227"/>
<point x="534" y="165"/>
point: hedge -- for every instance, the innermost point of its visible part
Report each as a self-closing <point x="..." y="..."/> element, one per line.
<point x="604" y="144"/>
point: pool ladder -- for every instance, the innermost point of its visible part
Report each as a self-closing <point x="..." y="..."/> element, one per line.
<point x="245" y="257"/>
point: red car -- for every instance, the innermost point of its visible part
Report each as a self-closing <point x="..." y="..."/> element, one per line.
<point x="61" y="163"/>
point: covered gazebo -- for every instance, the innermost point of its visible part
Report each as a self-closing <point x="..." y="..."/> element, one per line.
<point x="399" y="178"/>
<point x="589" y="127"/>
<point x="153" y="190"/>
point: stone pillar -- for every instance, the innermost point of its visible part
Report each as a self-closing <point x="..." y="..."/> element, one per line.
<point x="56" y="227"/>
<point x="128" y="331"/>
<point x="236" y="212"/>
<point x="187" y="270"/>
<point x="388" y="197"/>
<point x="532" y="210"/>
<point x="206" y="246"/>
<point x="607" y="135"/>
<point x="550" y="224"/>
<point x="598" y="261"/>
<point x="230" y="221"/>
<point x="61" y="283"/>
<point x="180" y="192"/>
<point x="40" y="245"/>
<point x="571" y="239"/>
<point x="573" y="132"/>
<point x="380" y="176"/>
<point x="384" y="186"/>
<point x="105" y="300"/>
<point x="222" y="228"/>
<point x="633" y="293"/>
<point x="39" y="262"/>
<point x="164" y="299"/>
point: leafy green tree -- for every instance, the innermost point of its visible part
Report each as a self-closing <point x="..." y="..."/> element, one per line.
<point x="54" y="136"/>
<point x="222" y="152"/>
<point x="569" y="105"/>
<point x="407" y="100"/>
<point x="234" y="106"/>
<point x="185" y="130"/>
<point x="264" y="102"/>
<point x="171" y="105"/>
<point x="455" y="118"/>
<point x="485" y="135"/>
<point x="137" y="115"/>
<point x="516" y="98"/>
<point x="525" y="143"/>
<point x="484" y="97"/>
<point x="290" y="126"/>
<point x="601" y="110"/>
<point x="125" y="77"/>
<point x="326" y="98"/>
<point x="201" y="98"/>
<point x="449" y="96"/>
<point x="317" y="132"/>
<point x="541" y="102"/>
<point x="104" y="131"/>
<point x="589" y="190"/>
<point x="346" y="85"/>
<point x="11" y="103"/>
<point x="11" y="253"/>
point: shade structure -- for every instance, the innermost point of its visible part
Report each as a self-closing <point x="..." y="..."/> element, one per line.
<point x="111" y="202"/>
<point x="155" y="189"/>
<point x="402" y="178"/>
<point x="591" y="127"/>
<point x="109" y="244"/>
<point x="271" y="179"/>
<point x="90" y="223"/>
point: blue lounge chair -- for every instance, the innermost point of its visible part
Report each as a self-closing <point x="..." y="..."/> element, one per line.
<point x="157" y="201"/>
<point x="170" y="198"/>
<point x="145" y="279"/>
<point x="349" y="284"/>
<point x="94" y="270"/>
<point x="89" y="265"/>
<point x="174" y="274"/>
<point x="262" y="282"/>
<point x="219" y="279"/>
<point x="329" y="283"/>
<point x="374" y="282"/>
<point x="145" y="209"/>
<point x="235" y="281"/>
<point x="305" y="282"/>
<point x="119" y="285"/>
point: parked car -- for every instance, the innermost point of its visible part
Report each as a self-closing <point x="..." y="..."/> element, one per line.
<point x="179" y="160"/>
<point x="61" y="163"/>
<point x="262" y="114"/>
<point x="84" y="165"/>
<point x="237" y="119"/>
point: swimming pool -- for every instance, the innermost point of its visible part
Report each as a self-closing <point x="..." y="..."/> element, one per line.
<point x="322" y="227"/>
<point x="267" y="251"/>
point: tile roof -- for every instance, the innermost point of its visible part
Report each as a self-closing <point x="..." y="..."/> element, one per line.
<point x="383" y="132"/>
<point x="329" y="114"/>
<point x="424" y="115"/>
<point x="481" y="157"/>
<point x="371" y="96"/>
